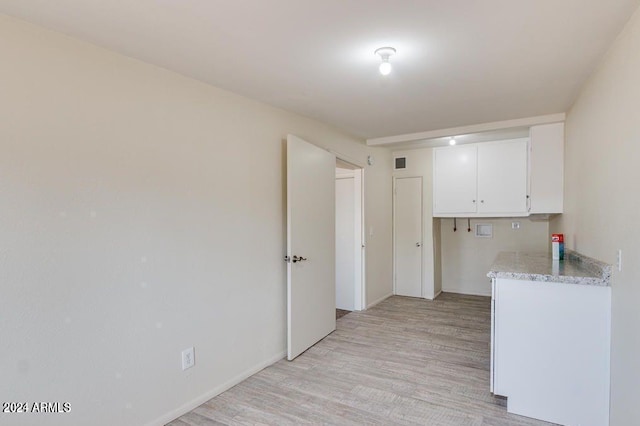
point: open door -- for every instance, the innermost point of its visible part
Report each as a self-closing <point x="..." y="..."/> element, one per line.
<point x="311" y="297"/>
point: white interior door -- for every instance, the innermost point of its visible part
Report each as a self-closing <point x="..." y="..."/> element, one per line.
<point x="408" y="236"/>
<point x="311" y="298"/>
<point x="345" y="243"/>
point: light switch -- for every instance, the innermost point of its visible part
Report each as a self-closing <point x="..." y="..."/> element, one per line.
<point x="619" y="260"/>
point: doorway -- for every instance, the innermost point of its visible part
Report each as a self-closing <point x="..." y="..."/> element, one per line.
<point x="349" y="238"/>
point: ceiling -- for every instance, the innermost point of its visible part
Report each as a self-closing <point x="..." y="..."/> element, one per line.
<point x="458" y="62"/>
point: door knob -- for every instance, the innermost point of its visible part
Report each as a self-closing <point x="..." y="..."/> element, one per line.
<point x="418" y="244"/>
<point x="294" y="259"/>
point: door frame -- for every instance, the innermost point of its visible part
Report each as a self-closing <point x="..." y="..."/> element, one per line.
<point x="395" y="179"/>
<point x="360" y="286"/>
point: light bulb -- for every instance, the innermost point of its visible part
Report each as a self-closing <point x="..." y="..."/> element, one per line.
<point x="385" y="53"/>
<point x="452" y="141"/>
<point x="385" y="68"/>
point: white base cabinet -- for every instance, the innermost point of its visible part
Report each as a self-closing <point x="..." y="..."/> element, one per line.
<point x="551" y="350"/>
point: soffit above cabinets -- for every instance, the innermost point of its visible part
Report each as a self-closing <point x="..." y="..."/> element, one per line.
<point x="497" y="135"/>
<point x="484" y="132"/>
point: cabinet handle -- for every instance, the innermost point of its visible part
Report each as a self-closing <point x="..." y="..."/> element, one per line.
<point x="473" y="201"/>
<point x="482" y="201"/>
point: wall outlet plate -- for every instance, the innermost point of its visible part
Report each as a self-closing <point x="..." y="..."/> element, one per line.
<point x="188" y="358"/>
<point x="484" y="230"/>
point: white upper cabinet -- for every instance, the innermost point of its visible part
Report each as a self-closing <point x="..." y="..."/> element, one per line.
<point x="455" y="177"/>
<point x="547" y="168"/>
<point x="481" y="180"/>
<point x="502" y="178"/>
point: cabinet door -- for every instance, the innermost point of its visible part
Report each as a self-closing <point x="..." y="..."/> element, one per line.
<point x="547" y="163"/>
<point x="502" y="177"/>
<point x="454" y="180"/>
<point x="551" y="355"/>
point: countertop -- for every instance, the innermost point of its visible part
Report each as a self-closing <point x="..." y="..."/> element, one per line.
<point x="574" y="269"/>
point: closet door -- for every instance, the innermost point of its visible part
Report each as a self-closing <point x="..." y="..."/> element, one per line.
<point x="408" y="236"/>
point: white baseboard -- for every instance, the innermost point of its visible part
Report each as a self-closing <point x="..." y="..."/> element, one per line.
<point x="470" y="293"/>
<point x="185" y="408"/>
<point x="434" y="296"/>
<point x="374" y="303"/>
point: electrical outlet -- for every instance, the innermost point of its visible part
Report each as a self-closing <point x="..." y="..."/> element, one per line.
<point x="188" y="358"/>
<point x="515" y="225"/>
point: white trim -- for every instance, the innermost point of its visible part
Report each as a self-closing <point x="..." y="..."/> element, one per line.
<point x="474" y="128"/>
<point x="382" y="299"/>
<point x="434" y="297"/>
<point x="344" y="176"/>
<point x="363" y="242"/>
<point x="346" y="159"/>
<point x="358" y="176"/>
<point x="358" y="287"/>
<point x="393" y="235"/>
<point x="468" y="293"/>
<point x="185" y="408"/>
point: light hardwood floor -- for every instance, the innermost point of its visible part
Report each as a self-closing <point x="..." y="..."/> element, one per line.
<point x="405" y="361"/>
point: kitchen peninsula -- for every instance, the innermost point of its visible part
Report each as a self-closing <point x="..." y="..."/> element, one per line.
<point x="550" y="336"/>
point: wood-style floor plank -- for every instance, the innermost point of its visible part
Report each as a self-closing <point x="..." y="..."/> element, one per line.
<point x="405" y="361"/>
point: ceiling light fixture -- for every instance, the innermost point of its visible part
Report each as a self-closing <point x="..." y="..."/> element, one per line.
<point x="452" y="140"/>
<point x="385" y="53"/>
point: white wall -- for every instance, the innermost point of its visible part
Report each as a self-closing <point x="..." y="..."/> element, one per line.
<point x="420" y="163"/>
<point x="466" y="259"/>
<point x="142" y="212"/>
<point x="378" y="231"/>
<point x="601" y="202"/>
